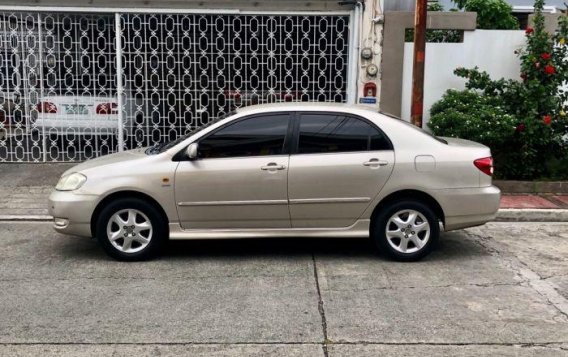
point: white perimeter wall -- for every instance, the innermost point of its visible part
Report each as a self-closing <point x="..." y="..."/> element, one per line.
<point x="490" y="50"/>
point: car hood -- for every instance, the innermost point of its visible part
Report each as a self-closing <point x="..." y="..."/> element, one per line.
<point x="130" y="155"/>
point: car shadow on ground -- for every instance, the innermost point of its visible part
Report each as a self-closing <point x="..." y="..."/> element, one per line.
<point x="451" y="247"/>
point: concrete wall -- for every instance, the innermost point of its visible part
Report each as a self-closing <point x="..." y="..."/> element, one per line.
<point x="490" y="50"/>
<point x="396" y="23"/>
<point x="371" y="36"/>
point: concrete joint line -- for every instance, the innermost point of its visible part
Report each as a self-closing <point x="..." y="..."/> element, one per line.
<point x="544" y="288"/>
<point x="321" y="309"/>
<point x="550" y="345"/>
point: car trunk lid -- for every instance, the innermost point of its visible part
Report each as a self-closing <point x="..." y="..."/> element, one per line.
<point x="479" y="154"/>
<point x="463" y="142"/>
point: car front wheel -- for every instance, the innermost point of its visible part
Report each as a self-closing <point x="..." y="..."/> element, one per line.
<point x="131" y="229"/>
<point x="406" y="231"/>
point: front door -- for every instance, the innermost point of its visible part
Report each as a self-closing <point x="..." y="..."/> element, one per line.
<point x="340" y="164"/>
<point x="240" y="179"/>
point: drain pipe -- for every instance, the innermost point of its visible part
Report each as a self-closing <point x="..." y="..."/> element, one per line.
<point x="353" y="59"/>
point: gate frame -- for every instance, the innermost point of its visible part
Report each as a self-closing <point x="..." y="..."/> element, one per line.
<point x="112" y="10"/>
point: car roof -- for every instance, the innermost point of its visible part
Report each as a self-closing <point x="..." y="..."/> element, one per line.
<point x="299" y="106"/>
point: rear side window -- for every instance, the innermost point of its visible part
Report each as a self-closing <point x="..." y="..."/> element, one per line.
<point x="256" y="136"/>
<point x="323" y="133"/>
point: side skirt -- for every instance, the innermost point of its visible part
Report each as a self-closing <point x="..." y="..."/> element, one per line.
<point x="359" y="229"/>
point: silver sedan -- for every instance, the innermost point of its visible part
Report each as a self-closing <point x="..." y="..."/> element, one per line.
<point x="282" y="170"/>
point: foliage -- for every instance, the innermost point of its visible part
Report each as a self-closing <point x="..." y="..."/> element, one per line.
<point x="467" y="114"/>
<point x="460" y="3"/>
<point x="435" y="6"/>
<point x="537" y="102"/>
<point x="491" y="14"/>
<point x="432" y="35"/>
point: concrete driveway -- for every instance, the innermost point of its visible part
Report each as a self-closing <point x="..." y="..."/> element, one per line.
<point x="500" y="289"/>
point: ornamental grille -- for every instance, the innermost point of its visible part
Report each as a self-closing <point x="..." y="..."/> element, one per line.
<point x="60" y="82"/>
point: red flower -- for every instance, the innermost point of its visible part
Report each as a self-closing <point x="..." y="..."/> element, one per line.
<point x="520" y="128"/>
<point x="547" y="119"/>
<point x="549" y="69"/>
<point x="529" y="30"/>
<point x="545" y="56"/>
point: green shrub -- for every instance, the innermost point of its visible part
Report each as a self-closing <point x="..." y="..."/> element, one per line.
<point x="491" y="14"/>
<point x="434" y="35"/>
<point x="467" y="114"/>
<point x="534" y="107"/>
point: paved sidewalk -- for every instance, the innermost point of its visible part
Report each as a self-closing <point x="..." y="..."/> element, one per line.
<point x="24" y="189"/>
<point x="544" y="201"/>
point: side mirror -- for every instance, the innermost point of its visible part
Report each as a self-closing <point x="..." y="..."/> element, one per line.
<point x="191" y="151"/>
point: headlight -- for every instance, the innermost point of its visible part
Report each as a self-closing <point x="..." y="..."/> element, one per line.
<point x="71" y="182"/>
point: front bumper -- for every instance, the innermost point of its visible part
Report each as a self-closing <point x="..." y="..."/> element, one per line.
<point x="468" y="207"/>
<point x="72" y="212"/>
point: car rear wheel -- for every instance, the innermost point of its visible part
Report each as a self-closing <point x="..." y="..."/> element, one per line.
<point x="406" y="231"/>
<point x="131" y="229"/>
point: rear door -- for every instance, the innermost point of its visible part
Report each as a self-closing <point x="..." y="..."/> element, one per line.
<point x="339" y="163"/>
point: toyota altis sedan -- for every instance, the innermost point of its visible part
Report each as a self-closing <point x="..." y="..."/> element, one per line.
<point x="282" y="170"/>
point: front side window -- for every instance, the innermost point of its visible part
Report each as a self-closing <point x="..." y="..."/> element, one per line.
<point x="324" y="133"/>
<point x="257" y="136"/>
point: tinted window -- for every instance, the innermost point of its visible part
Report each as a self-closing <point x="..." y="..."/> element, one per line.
<point x="249" y="137"/>
<point x="321" y="133"/>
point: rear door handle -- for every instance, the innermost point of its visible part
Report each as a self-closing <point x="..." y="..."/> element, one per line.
<point x="375" y="162"/>
<point x="272" y="166"/>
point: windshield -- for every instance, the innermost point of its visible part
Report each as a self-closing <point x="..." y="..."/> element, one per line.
<point x="162" y="147"/>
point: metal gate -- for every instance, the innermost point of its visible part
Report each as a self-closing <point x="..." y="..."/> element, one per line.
<point x="74" y="86"/>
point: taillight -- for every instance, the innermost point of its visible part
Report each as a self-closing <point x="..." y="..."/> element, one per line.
<point x="232" y="94"/>
<point x="47" y="107"/>
<point x="485" y="165"/>
<point x="107" y="108"/>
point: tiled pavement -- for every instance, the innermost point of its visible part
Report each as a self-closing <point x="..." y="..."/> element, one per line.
<point x="534" y="201"/>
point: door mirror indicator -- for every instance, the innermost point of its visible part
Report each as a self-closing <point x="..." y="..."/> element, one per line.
<point x="191" y="151"/>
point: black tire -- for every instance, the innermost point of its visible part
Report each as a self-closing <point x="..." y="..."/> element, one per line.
<point x="158" y="237"/>
<point x="379" y="236"/>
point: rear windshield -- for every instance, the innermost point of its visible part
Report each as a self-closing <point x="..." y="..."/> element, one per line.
<point x="417" y="128"/>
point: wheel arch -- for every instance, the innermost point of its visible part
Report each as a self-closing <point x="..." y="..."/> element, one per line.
<point x="414" y="195"/>
<point x="125" y="194"/>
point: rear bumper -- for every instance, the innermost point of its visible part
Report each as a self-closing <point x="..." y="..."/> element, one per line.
<point x="62" y="125"/>
<point x="468" y="207"/>
<point x="72" y="212"/>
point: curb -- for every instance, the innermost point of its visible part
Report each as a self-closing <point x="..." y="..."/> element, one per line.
<point x="503" y="215"/>
<point x="26" y="218"/>
<point x="532" y="215"/>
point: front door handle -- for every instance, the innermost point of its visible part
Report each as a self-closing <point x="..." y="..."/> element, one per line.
<point x="272" y="166"/>
<point x="375" y="162"/>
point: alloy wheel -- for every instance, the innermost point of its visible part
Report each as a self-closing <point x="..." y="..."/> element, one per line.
<point x="129" y="230"/>
<point x="407" y="231"/>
